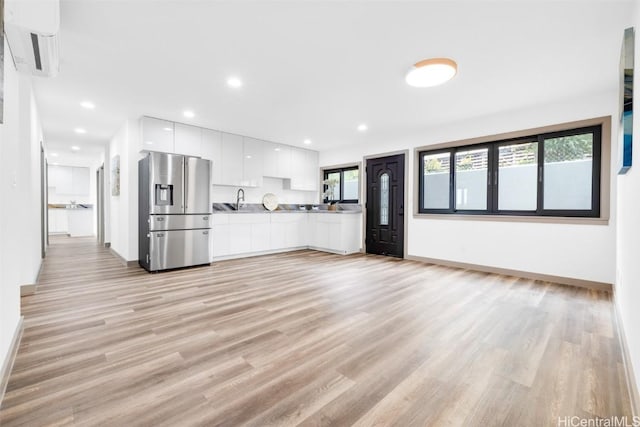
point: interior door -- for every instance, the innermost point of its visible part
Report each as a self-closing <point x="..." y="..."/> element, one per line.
<point x="385" y="206"/>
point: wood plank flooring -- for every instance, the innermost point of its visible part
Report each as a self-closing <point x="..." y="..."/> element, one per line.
<point x="307" y="338"/>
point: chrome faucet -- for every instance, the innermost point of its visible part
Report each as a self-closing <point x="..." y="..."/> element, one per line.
<point x="239" y="198"/>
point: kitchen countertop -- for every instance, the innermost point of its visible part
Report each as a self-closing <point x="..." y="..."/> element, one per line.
<point x="350" y="208"/>
<point x="78" y="206"/>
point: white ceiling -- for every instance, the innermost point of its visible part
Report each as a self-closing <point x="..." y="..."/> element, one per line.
<point x="317" y="69"/>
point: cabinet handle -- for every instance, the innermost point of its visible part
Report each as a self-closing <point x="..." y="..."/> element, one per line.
<point x="160" y="219"/>
<point x="205" y="232"/>
<point x="160" y="234"/>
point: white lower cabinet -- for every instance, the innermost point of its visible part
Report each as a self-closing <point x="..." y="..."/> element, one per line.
<point x="58" y="221"/>
<point x="220" y="235"/>
<point x="288" y="230"/>
<point x="235" y="235"/>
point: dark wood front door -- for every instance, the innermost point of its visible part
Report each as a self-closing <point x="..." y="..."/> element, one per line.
<point x="385" y="206"/>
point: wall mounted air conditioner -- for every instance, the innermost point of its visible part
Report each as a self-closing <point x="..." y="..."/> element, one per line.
<point x="31" y="27"/>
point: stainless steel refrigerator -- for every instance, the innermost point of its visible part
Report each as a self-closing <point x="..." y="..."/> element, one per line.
<point x="174" y="211"/>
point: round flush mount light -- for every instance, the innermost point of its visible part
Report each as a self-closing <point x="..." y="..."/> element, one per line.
<point x="88" y="105"/>
<point x="234" y="82"/>
<point x="362" y="127"/>
<point x="168" y="129"/>
<point x="307" y="142"/>
<point x="75" y="148"/>
<point x="54" y="154"/>
<point x="189" y="114"/>
<point x="80" y="130"/>
<point x="431" y="72"/>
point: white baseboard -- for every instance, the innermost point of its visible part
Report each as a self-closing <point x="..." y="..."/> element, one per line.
<point x="11" y="357"/>
<point x="632" y="387"/>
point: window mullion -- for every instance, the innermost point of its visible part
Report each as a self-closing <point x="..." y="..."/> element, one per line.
<point x="492" y="190"/>
<point x="452" y="180"/>
<point x="540" y="175"/>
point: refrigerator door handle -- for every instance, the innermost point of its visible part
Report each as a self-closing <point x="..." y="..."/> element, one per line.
<point x="185" y="174"/>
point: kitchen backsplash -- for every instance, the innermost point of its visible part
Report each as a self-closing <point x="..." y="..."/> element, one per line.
<point x="222" y="194"/>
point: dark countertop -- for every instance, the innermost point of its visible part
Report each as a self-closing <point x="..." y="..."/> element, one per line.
<point x="347" y="208"/>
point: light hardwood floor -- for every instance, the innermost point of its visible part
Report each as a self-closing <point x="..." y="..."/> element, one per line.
<point x="307" y="338"/>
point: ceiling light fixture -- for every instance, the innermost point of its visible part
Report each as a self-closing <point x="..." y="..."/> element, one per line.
<point x="276" y="149"/>
<point x="75" y="148"/>
<point x="307" y="142"/>
<point x="189" y="114"/>
<point x="431" y="72"/>
<point x="149" y="142"/>
<point x="234" y="82"/>
<point x="362" y="127"/>
<point x="88" y="105"/>
<point x="54" y="154"/>
<point x="80" y="130"/>
<point x="167" y="129"/>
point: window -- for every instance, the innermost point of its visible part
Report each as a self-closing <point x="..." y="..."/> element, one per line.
<point x="384" y="199"/>
<point x="341" y="185"/>
<point x="550" y="174"/>
<point x="471" y="179"/>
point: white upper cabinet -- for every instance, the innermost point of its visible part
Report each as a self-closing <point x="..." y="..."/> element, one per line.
<point x="64" y="180"/>
<point x="80" y="181"/>
<point x="237" y="160"/>
<point x="157" y="135"/>
<point x="304" y="170"/>
<point x="61" y="177"/>
<point x="252" y="162"/>
<point x="211" y="149"/>
<point x="277" y="160"/>
<point x="232" y="159"/>
<point x="69" y="180"/>
<point x="188" y="140"/>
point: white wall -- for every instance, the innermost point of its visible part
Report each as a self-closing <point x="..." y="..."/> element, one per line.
<point x="122" y="225"/>
<point x="627" y="287"/>
<point x="575" y="251"/>
<point x="20" y="205"/>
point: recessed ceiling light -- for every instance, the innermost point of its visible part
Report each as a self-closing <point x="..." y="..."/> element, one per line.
<point x="431" y="72"/>
<point x="234" y="82"/>
<point x="276" y="149"/>
<point x="88" y="105"/>
<point x="149" y="142"/>
<point x="248" y="157"/>
<point x="54" y="154"/>
<point x="307" y="141"/>
<point x="362" y="127"/>
<point x="55" y="164"/>
<point x="167" y="129"/>
<point x="189" y="114"/>
<point x="75" y="148"/>
<point x="80" y="130"/>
